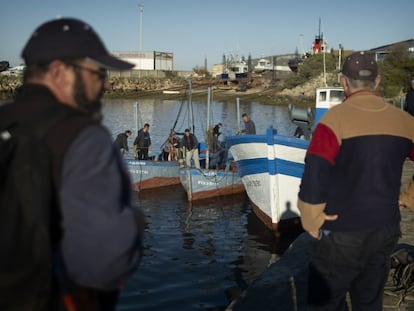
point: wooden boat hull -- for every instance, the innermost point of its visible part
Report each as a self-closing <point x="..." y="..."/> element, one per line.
<point x="271" y="167"/>
<point x="148" y="174"/>
<point x="205" y="184"/>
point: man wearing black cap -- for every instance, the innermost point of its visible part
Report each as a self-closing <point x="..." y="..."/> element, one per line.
<point x="349" y="192"/>
<point x="98" y="234"/>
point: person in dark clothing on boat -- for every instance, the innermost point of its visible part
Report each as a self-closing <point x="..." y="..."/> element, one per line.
<point x="216" y="149"/>
<point x="249" y="126"/>
<point x="190" y="144"/>
<point x="349" y="203"/>
<point x="216" y="130"/>
<point x="218" y="156"/>
<point x="409" y="99"/>
<point x="66" y="64"/>
<point x="142" y="143"/>
<point x="121" y="141"/>
<point x="298" y="132"/>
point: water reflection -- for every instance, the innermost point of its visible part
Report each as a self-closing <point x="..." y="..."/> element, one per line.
<point x="200" y="256"/>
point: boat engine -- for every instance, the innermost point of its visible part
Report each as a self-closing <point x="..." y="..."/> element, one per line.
<point x="303" y="119"/>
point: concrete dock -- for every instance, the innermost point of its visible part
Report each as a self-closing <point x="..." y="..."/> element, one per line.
<point x="283" y="285"/>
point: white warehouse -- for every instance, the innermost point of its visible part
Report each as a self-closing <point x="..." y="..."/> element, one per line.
<point x="148" y="60"/>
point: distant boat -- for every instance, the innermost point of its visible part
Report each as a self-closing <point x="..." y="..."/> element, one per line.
<point x="294" y="63"/>
<point x="235" y="69"/>
<point x="318" y="46"/>
<point x="170" y="92"/>
<point x="4" y="65"/>
<point x="271" y="165"/>
<point x="208" y="183"/>
<point x="263" y="65"/>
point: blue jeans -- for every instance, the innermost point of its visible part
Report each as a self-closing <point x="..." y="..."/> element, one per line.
<point x="354" y="262"/>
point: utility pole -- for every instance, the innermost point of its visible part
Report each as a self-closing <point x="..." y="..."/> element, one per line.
<point x="141" y="10"/>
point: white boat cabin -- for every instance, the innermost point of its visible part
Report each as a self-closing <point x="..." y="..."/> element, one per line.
<point x="327" y="97"/>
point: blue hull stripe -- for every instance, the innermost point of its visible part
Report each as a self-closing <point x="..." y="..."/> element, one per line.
<point x="263" y="165"/>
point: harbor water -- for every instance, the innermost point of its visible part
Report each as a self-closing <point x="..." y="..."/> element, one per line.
<point x="197" y="256"/>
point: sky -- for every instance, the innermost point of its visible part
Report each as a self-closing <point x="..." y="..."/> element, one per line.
<point x="199" y="30"/>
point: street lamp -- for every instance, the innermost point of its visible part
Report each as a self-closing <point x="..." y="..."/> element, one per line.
<point x="141" y="10"/>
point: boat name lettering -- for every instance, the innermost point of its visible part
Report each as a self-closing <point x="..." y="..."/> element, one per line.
<point x="205" y="183"/>
<point x="210" y="173"/>
<point x="138" y="171"/>
<point x="253" y="183"/>
<point x="139" y="163"/>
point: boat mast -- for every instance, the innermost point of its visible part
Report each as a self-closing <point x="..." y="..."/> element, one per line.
<point x="238" y="114"/>
<point x="208" y="128"/>
<point x="136" y="118"/>
<point x="190" y="106"/>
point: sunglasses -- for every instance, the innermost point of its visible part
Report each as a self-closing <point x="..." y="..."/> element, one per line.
<point x="101" y="73"/>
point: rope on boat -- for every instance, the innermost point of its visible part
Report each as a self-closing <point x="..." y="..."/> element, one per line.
<point x="401" y="275"/>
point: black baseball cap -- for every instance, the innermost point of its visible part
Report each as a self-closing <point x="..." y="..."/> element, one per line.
<point x="360" y="66"/>
<point x="69" y="38"/>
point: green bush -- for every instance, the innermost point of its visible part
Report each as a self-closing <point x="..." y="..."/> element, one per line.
<point x="312" y="67"/>
<point x="396" y="71"/>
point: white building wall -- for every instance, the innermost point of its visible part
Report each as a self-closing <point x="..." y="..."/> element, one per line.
<point x="148" y="60"/>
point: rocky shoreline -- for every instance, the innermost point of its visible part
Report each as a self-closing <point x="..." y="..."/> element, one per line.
<point x="263" y="91"/>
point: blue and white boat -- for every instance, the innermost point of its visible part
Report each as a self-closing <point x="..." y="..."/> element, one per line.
<point x="153" y="173"/>
<point x="150" y="174"/>
<point x="271" y="165"/>
<point x="203" y="184"/>
<point x="207" y="182"/>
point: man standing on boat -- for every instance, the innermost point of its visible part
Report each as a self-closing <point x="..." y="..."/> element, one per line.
<point x="121" y="141"/>
<point x="142" y="143"/>
<point x="249" y="126"/>
<point x="349" y="192"/>
<point x="190" y="143"/>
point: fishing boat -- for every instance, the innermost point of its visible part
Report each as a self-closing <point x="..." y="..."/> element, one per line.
<point x="206" y="183"/>
<point x="152" y="173"/>
<point x="155" y="172"/>
<point x="203" y="184"/>
<point x="271" y="165"/>
<point x="263" y="65"/>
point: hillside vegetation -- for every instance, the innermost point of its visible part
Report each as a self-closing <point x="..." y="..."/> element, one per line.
<point x="396" y="72"/>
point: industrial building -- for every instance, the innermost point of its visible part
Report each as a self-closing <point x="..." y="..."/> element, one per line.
<point x="148" y="60"/>
<point x="381" y="52"/>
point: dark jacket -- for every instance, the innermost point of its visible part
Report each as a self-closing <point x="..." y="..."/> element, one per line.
<point x="189" y="142"/>
<point x="355" y="166"/>
<point x="121" y="141"/>
<point x="143" y="139"/>
<point x="93" y="196"/>
<point x="249" y="127"/>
